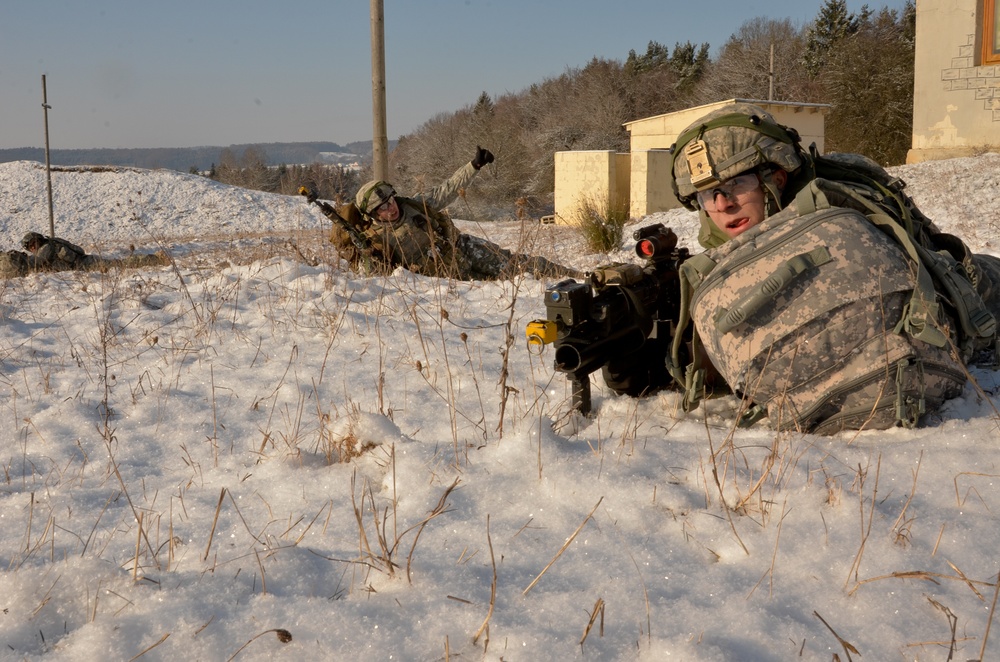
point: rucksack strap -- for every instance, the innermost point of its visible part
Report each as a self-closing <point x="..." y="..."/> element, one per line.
<point x="946" y="267"/>
<point x="921" y="315"/>
<point x="975" y="319"/>
<point x="691" y="273"/>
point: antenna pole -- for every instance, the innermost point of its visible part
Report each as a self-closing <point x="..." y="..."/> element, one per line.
<point x="48" y="166"/>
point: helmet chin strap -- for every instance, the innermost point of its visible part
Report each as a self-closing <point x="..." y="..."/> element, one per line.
<point x="772" y="192"/>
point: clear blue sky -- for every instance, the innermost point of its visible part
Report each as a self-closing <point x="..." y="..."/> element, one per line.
<point x="180" y="73"/>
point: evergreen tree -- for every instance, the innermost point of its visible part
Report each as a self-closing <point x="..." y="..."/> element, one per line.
<point x="832" y="24"/>
<point x="688" y="65"/>
<point x="484" y="105"/>
<point x="868" y="79"/>
<point x="656" y="56"/>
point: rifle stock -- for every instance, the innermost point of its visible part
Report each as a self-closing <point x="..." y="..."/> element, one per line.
<point x="621" y="321"/>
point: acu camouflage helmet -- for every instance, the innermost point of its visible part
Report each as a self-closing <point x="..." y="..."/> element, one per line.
<point x="372" y="195"/>
<point x="727" y="142"/>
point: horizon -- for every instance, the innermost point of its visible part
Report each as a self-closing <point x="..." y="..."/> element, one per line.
<point x="114" y="149"/>
<point x="201" y="158"/>
<point x="251" y="73"/>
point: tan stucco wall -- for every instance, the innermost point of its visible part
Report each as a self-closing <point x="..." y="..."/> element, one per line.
<point x="956" y="104"/>
<point x="650" y="185"/>
<point x="595" y="175"/>
<point x="649" y="137"/>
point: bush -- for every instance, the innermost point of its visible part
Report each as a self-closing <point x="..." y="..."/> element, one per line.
<point x="602" y="222"/>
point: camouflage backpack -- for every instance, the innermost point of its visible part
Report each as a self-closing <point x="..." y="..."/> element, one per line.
<point x="847" y="309"/>
<point x="819" y="321"/>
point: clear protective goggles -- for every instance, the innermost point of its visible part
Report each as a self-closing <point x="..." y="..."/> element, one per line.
<point x="385" y="205"/>
<point x="731" y="189"/>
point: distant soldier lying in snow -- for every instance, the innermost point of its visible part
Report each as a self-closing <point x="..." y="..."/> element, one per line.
<point x="55" y="254"/>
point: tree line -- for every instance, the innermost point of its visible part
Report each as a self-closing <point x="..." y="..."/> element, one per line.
<point x="860" y="63"/>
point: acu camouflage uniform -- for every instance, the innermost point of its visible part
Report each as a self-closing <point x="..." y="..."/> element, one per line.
<point x="425" y="240"/>
<point x="55" y="254"/>
<point x="58" y="254"/>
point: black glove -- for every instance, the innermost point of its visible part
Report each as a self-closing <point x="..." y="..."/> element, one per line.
<point x="482" y="157"/>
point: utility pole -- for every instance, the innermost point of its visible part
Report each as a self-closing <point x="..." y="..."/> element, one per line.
<point x="380" y="139"/>
<point x="48" y="166"/>
<point x="770" y="76"/>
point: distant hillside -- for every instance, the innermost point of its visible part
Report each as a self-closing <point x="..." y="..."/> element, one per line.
<point x="184" y="158"/>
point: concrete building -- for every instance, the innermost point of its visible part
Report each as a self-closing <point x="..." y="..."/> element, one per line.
<point x="956" y="87"/>
<point x="641" y="178"/>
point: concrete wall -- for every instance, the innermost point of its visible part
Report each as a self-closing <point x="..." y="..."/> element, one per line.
<point x="956" y="100"/>
<point x="651" y="136"/>
<point x="650" y="183"/>
<point x="591" y="175"/>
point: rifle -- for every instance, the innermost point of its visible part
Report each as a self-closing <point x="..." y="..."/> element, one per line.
<point x="365" y="249"/>
<point x="622" y="320"/>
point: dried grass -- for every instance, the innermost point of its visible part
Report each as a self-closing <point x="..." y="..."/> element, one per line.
<point x="601" y="221"/>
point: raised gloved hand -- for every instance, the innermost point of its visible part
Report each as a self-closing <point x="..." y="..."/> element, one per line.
<point x="482" y="157"/>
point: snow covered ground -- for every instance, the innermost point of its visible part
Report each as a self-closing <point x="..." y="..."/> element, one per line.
<point x="201" y="460"/>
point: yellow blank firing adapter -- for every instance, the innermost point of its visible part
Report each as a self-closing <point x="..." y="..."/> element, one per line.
<point x="540" y="333"/>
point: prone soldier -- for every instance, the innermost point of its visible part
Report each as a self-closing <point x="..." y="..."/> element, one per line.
<point x="416" y="233"/>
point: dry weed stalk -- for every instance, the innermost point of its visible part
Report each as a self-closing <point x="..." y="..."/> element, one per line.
<point x="493" y="593"/>
<point x="932" y="577"/>
<point x="960" y="500"/>
<point x="385" y="559"/>
<point x="989" y="622"/>
<point x="846" y="645"/>
<point x="645" y="592"/>
<point x="774" y="555"/>
<point x="140" y="654"/>
<point x="452" y="399"/>
<point x="215" y="521"/>
<point x="598" y="611"/>
<point x="438" y="510"/>
<point x="505" y="389"/>
<point x="464" y="337"/>
<point x="953" y="626"/>
<point x="562" y="549"/>
<point x="901" y="527"/>
<point x="718" y="486"/>
<point x="866" y="528"/>
<point x="284" y="636"/>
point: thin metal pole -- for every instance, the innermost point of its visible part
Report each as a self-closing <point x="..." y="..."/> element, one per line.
<point x="380" y="140"/>
<point x="48" y="165"/>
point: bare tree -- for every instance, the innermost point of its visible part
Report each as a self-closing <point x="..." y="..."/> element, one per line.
<point x="743" y="67"/>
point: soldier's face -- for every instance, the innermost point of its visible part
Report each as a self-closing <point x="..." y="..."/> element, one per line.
<point x="738" y="206"/>
<point x="736" y="214"/>
<point x="388" y="211"/>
